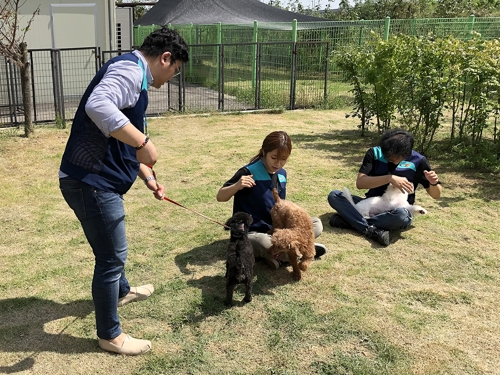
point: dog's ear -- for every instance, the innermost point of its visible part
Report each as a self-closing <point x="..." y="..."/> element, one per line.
<point x="276" y="195"/>
<point x="249" y="220"/>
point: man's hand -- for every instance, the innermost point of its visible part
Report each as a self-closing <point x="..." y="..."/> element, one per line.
<point x="432" y="177"/>
<point x="402" y="184"/>
<point x="159" y="193"/>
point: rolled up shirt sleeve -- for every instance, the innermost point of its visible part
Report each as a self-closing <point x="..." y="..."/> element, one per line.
<point x="119" y="88"/>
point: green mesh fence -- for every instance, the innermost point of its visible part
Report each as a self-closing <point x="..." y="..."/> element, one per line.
<point x="238" y="76"/>
<point x="337" y="32"/>
<point x="268" y="65"/>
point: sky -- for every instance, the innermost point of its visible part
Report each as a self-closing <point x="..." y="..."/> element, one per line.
<point x="312" y="3"/>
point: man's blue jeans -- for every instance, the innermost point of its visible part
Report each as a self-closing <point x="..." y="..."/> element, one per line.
<point x="102" y="217"/>
<point x="397" y="219"/>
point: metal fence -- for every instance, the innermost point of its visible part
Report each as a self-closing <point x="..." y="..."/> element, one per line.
<point x="335" y="32"/>
<point x="218" y="77"/>
<point x="58" y="80"/>
<point x="231" y="67"/>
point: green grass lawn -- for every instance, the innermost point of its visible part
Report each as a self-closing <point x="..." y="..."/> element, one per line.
<point x="427" y="304"/>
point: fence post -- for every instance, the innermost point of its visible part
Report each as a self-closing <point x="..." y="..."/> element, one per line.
<point x="294" y="64"/>
<point x="33" y="93"/>
<point x="182" y="93"/>
<point x="321" y="51"/>
<point x="55" y="57"/>
<point x="190" y="48"/>
<point x="386" y="28"/>
<point x="137" y="32"/>
<point x="11" y="91"/>
<point x="327" y="66"/>
<point x="98" y="59"/>
<point x="254" y="64"/>
<point x="360" y="34"/>
<point x="257" y="81"/>
<point x="220" y="71"/>
<point x="219" y="42"/>
<point x="471" y="24"/>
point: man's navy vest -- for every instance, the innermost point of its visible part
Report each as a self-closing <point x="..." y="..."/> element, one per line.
<point x="405" y="168"/>
<point x="262" y="193"/>
<point x="95" y="159"/>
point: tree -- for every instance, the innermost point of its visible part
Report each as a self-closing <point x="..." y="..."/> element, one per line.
<point x="13" y="47"/>
<point x="464" y="8"/>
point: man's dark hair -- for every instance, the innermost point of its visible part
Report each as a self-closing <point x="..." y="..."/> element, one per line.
<point x="165" y="40"/>
<point x="396" y="142"/>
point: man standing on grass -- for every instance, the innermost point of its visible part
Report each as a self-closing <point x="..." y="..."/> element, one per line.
<point x="107" y="149"/>
<point x="395" y="162"/>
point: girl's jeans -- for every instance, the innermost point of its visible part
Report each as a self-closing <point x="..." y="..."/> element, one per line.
<point x="397" y="219"/>
<point x="102" y="217"/>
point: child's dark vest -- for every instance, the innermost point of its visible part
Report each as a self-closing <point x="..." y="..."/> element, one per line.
<point x="95" y="159"/>
<point x="260" y="200"/>
<point x="406" y="168"/>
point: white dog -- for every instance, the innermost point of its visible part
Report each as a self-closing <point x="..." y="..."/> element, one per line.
<point x="391" y="199"/>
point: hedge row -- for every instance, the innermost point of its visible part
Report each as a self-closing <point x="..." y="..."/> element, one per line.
<point x="417" y="82"/>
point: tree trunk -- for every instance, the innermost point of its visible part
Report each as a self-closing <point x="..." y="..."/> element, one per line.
<point x="26" y="90"/>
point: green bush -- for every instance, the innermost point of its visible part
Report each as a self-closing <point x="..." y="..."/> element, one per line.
<point x="414" y="82"/>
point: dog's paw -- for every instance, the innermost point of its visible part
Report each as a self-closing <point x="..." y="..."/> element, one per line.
<point x="247" y="299"/>
<point x="303" y="266"/>
<point x="419" y="209"/>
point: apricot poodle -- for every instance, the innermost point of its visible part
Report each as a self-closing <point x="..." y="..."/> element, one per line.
<point x="292" y="233"/>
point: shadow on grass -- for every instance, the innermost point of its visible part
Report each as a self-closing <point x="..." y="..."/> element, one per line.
<point x="213" y="288"/>
<point x="395" y="235"/>
<point x="22" y="322"/>
<point x="348" y="147"/>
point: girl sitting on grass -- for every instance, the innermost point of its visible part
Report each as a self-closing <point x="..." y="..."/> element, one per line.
<point x="252" y="187"/>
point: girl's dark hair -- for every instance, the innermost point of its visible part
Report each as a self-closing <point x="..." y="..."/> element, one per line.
<point x="396" y="142"/>
<point x="277" y="140"/>
<point x="165" y="40"/>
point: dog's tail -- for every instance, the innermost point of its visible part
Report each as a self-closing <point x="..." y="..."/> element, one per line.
<point x="276" y="196"/>
<point x="348" y="196"/>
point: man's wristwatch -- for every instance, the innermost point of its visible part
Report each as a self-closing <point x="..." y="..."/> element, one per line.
<point x="149" y="178"/>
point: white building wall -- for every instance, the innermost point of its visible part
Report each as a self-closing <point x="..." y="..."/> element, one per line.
<point x="124" y="28"/>
<point x="65" y="23"/>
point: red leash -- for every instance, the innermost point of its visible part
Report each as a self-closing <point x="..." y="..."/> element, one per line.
<point x="180" y="205"/>
<point x="197" y="213"/>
